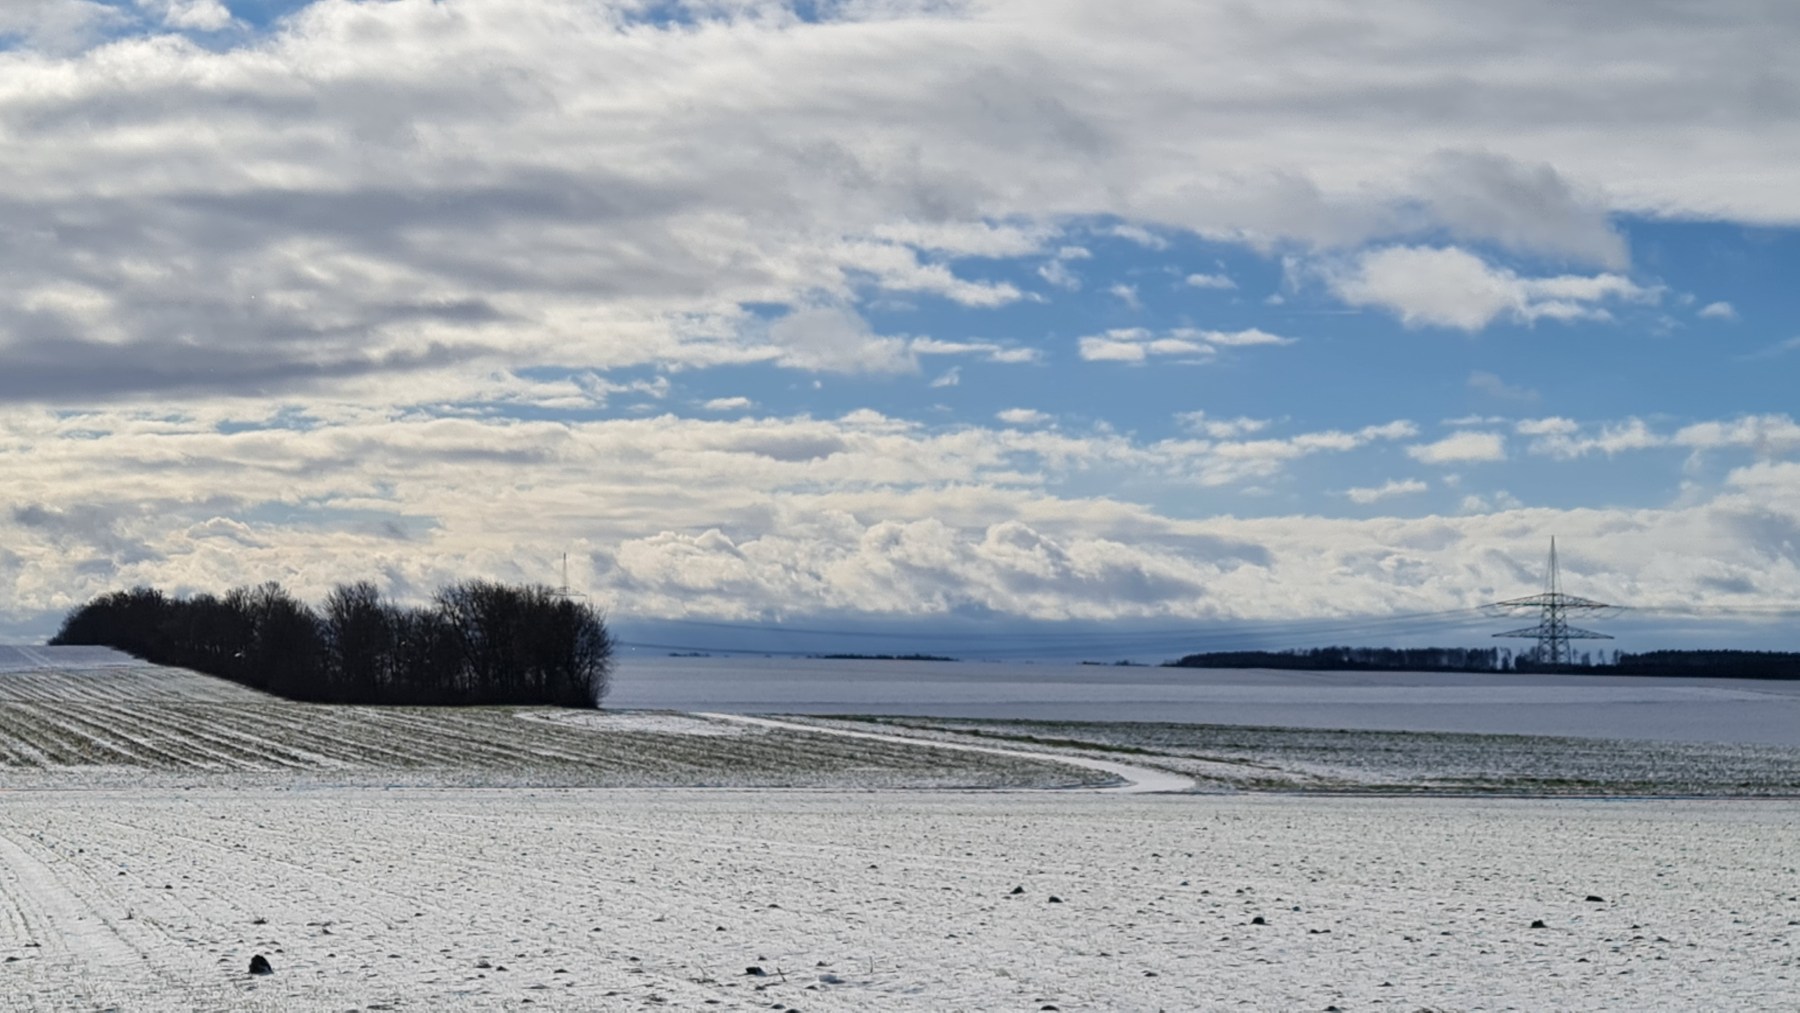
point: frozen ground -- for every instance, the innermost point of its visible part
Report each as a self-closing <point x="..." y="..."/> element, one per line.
<point x="1671" y="710"/>
<point x="581" y="899"/>
<point x="95" y="719"/>
<point x="159" y="828"/>
<point x="1229" y="757"/>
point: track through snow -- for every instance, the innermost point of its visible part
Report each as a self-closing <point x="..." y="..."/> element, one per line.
<point x="1138" y="780"/>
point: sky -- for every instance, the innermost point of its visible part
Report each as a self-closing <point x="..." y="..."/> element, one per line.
<point x="904" y="314"/>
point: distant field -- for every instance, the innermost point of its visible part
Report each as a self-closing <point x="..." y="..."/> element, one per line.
<point x="1224" y="757"/>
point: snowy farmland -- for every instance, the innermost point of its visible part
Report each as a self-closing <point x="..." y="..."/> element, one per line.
<point x="158" y="829"/>
<point x="656" y="899"/>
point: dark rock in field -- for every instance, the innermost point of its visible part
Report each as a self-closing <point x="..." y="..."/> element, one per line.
<point x="1594" y="898"/>
<point x="1539" y="924"/>
<point x="1054" y="899"/>
<point x="1017" y="890"/>
<point x="259" y="964"/>
<point x="755" y="971"/>
<point x="1258" y="920"/>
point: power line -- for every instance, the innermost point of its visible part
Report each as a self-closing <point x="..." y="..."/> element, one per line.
<point x="1553" y="631"/>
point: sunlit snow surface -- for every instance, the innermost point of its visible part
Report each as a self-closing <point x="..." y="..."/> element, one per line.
<point x="159" y="828"/>
<point x="1679" y="710"/>
<point x="599" y="900"/>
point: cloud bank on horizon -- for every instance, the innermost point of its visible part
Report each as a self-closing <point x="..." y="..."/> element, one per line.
<point x="1028" y="309"/>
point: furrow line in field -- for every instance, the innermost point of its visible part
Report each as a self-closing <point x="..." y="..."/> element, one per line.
<point x="82" y="945"/>
<point x="80" y="722"/>
<point x="206" y="733"/>
<point x="61" y="745"/>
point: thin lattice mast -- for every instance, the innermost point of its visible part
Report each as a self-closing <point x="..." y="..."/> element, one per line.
<point x="1553" y="631"/>
<point x="565" y="592"/>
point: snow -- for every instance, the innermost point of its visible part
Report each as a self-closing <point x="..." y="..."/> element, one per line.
<point x="610" y="899"/>
<point x="1138" y="780"/>
<point x="158" y="829"/>
<point x="1619" y="707"/>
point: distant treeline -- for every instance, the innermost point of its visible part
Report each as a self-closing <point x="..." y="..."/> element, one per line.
<point x="881" y="657"/>
<point x="1707" y="664"/>
<point x="476" y="643"/>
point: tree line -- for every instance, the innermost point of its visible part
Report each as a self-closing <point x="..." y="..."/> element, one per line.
<point x="1718" y="664"/>
<point x="475" y="643"/>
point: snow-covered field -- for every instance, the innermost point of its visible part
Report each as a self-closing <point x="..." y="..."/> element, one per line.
<point x="623" y="899"/>
<point x="159" y="828"/>
<point x="1616" y="707"/>
<point x="101" y="719"/>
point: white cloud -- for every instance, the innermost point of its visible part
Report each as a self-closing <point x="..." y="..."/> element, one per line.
<point x="1114" y="346"/>
<point x="1139" y="235"/>
<point x="1775" y="350"/>
<point x="481" y="180"/>
<point x="729" y="404"/>
<point x="948" y="378"/>
<point x="1764" y="435"/>
<point x="1127" y="294"/>
<point x="1229" y="462"/>
<point x="1461" y="447"/>
<point x="1387" y="490"/>
<point x="1022" y="417"/>
<point x="58" y="26"/>
<point x="1138" y="344"/>
<point x="192" y="15"/>
<point x="1220" y="429"/>
<point x="833" y="339"/>
<point x="1450" y="287"/>
<point x="1494" y="387"/>
<point x="1057" y="273"/>
<point x="1236" y="339"/>
<point x="1553" y="426"/>
<point x="1561" y="438"/>
<point x="1499" y="501"/>
<point x="1213" y="281"/>
<point x="756" y="517"/>
<point x="1718" y="311"/>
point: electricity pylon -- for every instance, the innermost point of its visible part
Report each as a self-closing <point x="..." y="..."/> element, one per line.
<point x="1553" y="631"/>
<point x="565" y="592"/>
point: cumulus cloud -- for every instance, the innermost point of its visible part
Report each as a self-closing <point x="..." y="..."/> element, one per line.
<point x="757" y="517"/>
<point x="1220" y="429"/>
<point x="1770" y="435"/>
<point x="729" y="404"/>
<point x="1459" y="448"/>
<point x="373" y="190"/>
<point x="1213" y="281"/>
<point x="1022" y="416"/>
<point x="1138" y="344"/>
<point x="1139" y="235"/>
<point x="1451" y="287"/>
<point x="1387" y="490"/>
<point x="192" y="15"/>
<point x="1718" y="311"/>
